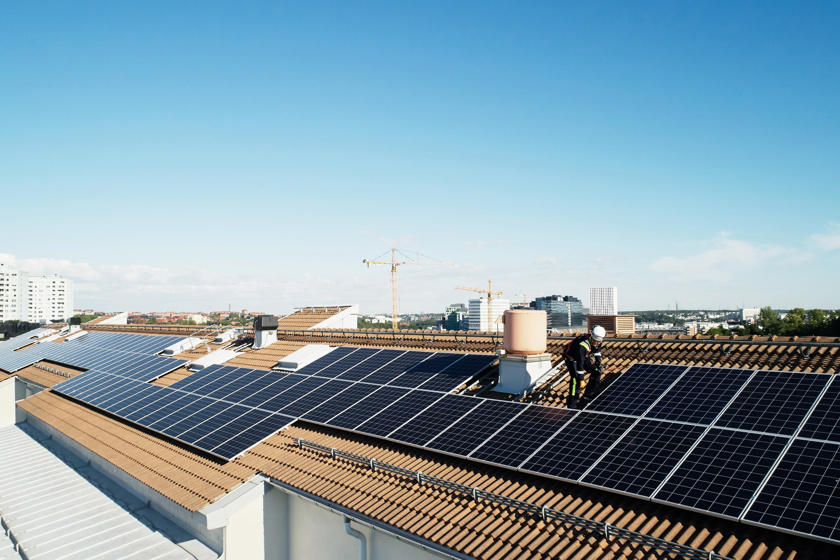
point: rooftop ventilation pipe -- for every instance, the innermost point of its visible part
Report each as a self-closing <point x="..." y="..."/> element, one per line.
<point x="75" y="324"/>
<point x="359" y="535"/>
<point x="265" y="331"/>
<point x="524" y="359"/>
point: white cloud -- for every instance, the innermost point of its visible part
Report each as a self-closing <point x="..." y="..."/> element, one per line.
<point x="726" y="258"/>
<point x="829" y="241"/>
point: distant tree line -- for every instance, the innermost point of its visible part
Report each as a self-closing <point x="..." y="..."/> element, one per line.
<point x="797" y="322"/>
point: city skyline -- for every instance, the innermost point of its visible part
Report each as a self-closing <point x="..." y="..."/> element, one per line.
<point x="199" y="157"/>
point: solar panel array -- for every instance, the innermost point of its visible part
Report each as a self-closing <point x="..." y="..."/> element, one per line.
<point x="325" y="389"/>
<point x="129" y="355"/>
<point x="755" y="446"/>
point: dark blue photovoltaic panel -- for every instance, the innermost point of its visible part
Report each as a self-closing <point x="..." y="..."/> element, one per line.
<point x="252" y="436"/>
<point x="229" y="425"/>
<point x="397" y="367"/>
<point x="273" y="391"/>
<point x="824" y="422"/>
<point x="296" y="391"/>
<point x="576" y="447"/>
<point x="212" y="423"/>
<point x="326" y="360"/>
<point x="340" y="402"/>
<point x="164" y="415"/>
<point x="368" y="407"/>
<point x="723" y="472"/>
<point x="368" y="366"/>
<point x="774" y="403"/>
<point x="392" y="417"/>
<point x="204" y="375"/>
<point x="525" y="434"/>
<point x="642" y="459"/>
<point x="476" y="427"/>
<point x="802" y="495"/>
<point x="259" y="380"/>
<point x="194" y="416"/>
<point x="425" y="370"/>
<point x="144" y="397"/>
<point x="700" y="395"/>
<point x="636" y="389"/>
<point x="428" y="423"/>
<point x="314" y="398"/>
<point x="340" y="366"/>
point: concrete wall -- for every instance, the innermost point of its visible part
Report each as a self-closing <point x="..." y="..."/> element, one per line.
<point x="295" y="527"/>
<point x="347" y="319"/>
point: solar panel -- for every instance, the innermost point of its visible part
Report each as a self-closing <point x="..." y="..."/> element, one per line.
<point x="195" y="415"/>
<point x="824" y="422"/>
<point x="475" y="427"/>
<point x="519" y="439"/>
<point x="700" y="395"/>
<point x="293" y="393"/>
<point x="368" y="366"/>
<point x="340" y="366"/>
<point x="774" y="403"/>
<point x="802" y="496"/>
<point x="426" y="425"/>
<point x="425" y="370"/>
<point x="395" y="415"/>
<point x="577" y="446"/>
<point x="636" y="389"/>
<point x="395" y="368"/>
<point x="641" y="460"/>
<point x="341" y="402"/>
<point x="314" y="397"/>
<point x="248" y="438"/>
<point x="368" y="407"/>
<point x="722" y="472"/>
<point x="327" y="359"/>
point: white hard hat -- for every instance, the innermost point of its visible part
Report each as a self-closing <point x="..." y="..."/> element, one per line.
<point x="598" y="333"/>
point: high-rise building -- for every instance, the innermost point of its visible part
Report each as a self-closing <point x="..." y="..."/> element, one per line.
<point x="603" y="301"/>
<point x="36" y="299"/>
<point x="485" y="314"/>
<point x="562" y="311"/>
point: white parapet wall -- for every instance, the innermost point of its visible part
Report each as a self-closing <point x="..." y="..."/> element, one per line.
<point x="7" y="402"/>
<point x="115" y="319"/>
<point x="347" y="319"/>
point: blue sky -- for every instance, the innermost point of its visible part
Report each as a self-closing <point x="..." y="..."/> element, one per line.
<point x="195" y="155"/>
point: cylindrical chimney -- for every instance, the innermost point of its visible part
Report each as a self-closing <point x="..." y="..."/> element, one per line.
<point x="525" y="331"/>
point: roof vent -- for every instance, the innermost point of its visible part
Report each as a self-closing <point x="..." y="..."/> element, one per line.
<point x="75" y="336"/>
<point x="226" y="336"/>
<point x="265" y="331"/>
<point x="188" y="343"/>
<point x="75" y="324"/>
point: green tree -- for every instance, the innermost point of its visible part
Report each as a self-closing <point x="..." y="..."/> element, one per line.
<point x="817" y="320"/>
<point x="770" y="321"/>
<point x="794" y="322"/>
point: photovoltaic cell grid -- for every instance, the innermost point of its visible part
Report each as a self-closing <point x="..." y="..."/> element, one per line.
<point x="634" y="393"/>
<point x="141" y="366"/>
<point x="190" y="409"/>
<point x="643" y="458"/>
<point x="802" y="495"/>
<point x="824" y="422"/>
<point x="221" y="428"/>
<point x="700" y="395"/>
<point x="722" y="472"/>
<point x="774" y="402"/>
<point x="126" y="342"/>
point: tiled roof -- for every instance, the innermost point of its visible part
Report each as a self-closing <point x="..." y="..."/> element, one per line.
<point x="484" y="530"/>
<point x="308" y="317"/>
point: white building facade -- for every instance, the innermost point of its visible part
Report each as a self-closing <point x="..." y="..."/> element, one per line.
<point x="36" y="299"/>
<point x="603" y="301"/>
<point x="485" y="315"/>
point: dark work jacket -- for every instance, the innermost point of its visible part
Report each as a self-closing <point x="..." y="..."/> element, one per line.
<point x="582" y="352"/>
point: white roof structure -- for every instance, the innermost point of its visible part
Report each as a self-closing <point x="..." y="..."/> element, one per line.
<point x="51" y="510"/>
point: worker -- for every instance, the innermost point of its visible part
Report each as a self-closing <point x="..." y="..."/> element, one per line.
<point x="583" y="355"/>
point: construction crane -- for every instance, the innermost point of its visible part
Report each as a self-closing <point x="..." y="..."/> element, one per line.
<point x="489" y="291"/>
<point x="394" y="264"/>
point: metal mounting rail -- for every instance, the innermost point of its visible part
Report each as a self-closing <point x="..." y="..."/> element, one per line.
<point x="607" y="530"/>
